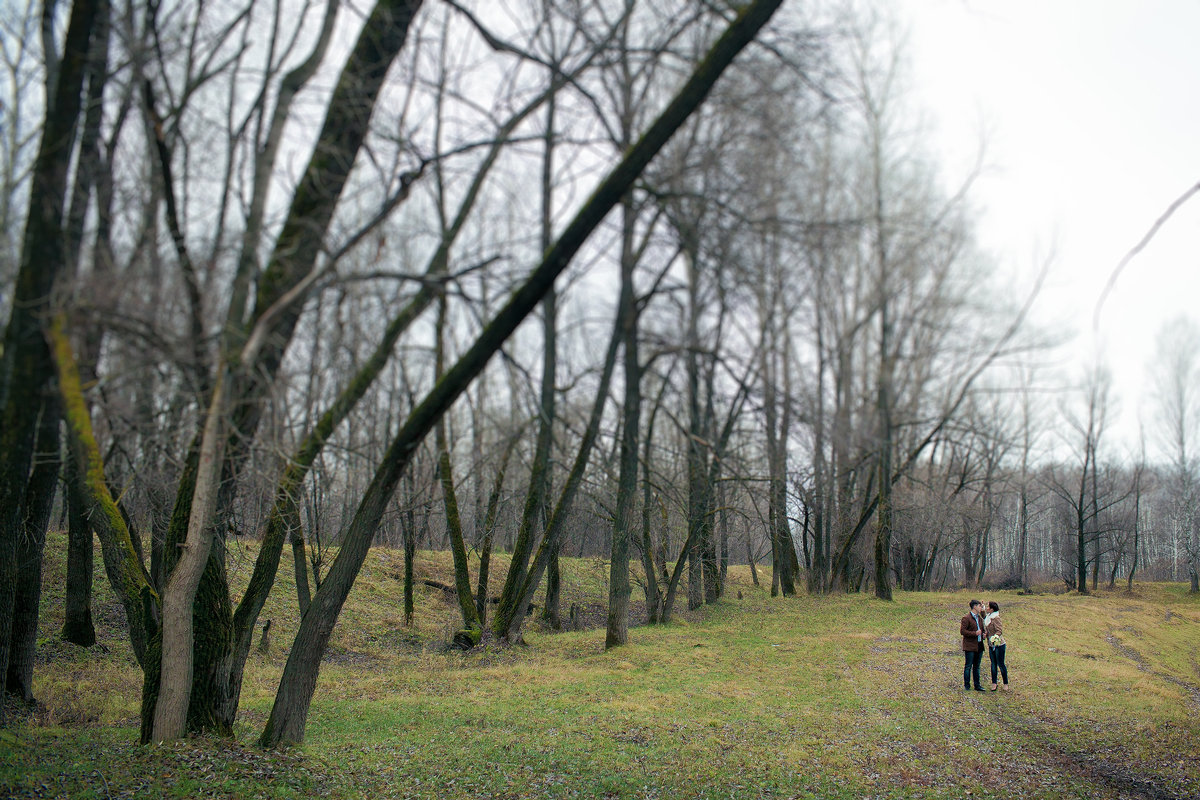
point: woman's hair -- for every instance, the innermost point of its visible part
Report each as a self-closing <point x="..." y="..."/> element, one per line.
<point x="993" y="605"/>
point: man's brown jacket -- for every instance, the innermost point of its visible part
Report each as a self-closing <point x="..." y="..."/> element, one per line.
<point x="970" y="630"/>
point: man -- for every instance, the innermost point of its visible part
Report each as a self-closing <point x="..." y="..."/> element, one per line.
<point x="972" y="637"/>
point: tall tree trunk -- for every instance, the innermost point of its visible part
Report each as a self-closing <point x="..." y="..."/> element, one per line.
<point x="26" y="366"/>
<point x="650" y="569"/>
<point x="1081" y="521"/>
<point x="537" y="498"/>
<point x="723" y="572"/>
<point x="1023" y="535"/>
<point x="779" y="485"/>
<point x="617" y="631"/>
<point x="750" y="561"/>
<point x="300" y="566"/>
<point x="782" y="548"/>
<point x="840" y="472"/>
<point x="489" y="530"/>
<point x="696" y="465"/>
<point x="883" y="532"/>
<point x="472" y="629"/>
<point x="39" y="497"/>
<point x="177" y="663"/>
<point x="1137" y="522"/>
<point x="550" y="608"/>
<point x="77" y="617"/>
<point x="409" y="516"/>
<point x="710" y="566"/>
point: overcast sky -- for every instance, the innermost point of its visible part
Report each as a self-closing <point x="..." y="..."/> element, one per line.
<point x="1091" y="114"/>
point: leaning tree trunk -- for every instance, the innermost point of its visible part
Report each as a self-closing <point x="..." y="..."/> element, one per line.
<point x="126" y="573"/>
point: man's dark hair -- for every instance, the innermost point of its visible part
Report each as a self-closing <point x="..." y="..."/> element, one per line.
<point x="974" y="603"/>
<point x="994" y="606"/>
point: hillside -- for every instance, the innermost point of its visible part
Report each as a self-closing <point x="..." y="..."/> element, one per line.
<point x="754" y="697"/>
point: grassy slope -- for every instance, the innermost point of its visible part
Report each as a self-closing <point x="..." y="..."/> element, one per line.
<point x="757" y="697"/>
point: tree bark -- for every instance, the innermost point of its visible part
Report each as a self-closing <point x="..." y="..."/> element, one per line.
<point x="883" y="514"/>
<point x="697" y="442"/>
<point x="489" y="531"/>
<point x="650" y="569"/>
<point x="39" y="497"/>
<point x="177" y="663"/>
<point x="77" y="617"/>
<point x="550" y="608"/>
<point x="783" y="551"/>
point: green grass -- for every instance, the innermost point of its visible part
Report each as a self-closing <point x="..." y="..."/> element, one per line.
<point x="841" y="696"/>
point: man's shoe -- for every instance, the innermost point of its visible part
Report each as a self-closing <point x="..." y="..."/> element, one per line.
<point x="980" y="689"/>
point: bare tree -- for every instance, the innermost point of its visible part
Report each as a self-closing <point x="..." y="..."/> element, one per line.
<point x="1176" y="386"/>
<point x="1087" y="487"/>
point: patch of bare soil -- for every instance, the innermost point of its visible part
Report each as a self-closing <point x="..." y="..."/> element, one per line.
<point x="1045" y="765"/>
<point x="1193" y="691"/>
<point x="1112" y="769"/>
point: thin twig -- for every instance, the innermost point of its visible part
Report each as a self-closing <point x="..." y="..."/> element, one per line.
<point x="1150" y="234"/>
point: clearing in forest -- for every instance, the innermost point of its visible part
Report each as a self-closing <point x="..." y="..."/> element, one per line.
<point x="842" y="696"/>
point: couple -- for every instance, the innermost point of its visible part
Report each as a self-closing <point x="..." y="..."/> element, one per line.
<point x="976" y="628"/>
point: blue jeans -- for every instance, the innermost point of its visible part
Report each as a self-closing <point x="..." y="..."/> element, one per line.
<point x="996" y="656"/>
<point x="971" y="668"/>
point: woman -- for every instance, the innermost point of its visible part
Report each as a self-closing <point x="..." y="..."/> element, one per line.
<point x="993" y="630"/>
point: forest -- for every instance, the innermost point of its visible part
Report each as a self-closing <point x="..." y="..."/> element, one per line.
<point x="676" y="285"/>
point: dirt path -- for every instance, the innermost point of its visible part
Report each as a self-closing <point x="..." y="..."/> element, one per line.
<point x="1040" y="765"/>
<point x="1193" y="691"/>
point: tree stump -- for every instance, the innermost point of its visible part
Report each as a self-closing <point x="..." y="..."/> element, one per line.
<point x="264" y="644"/>
<point x="467" y="638"/>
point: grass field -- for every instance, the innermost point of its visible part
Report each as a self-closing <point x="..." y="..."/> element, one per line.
<point x="842" y="696"/>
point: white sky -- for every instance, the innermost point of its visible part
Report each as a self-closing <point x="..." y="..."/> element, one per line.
<point x="1091" y="113"/>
